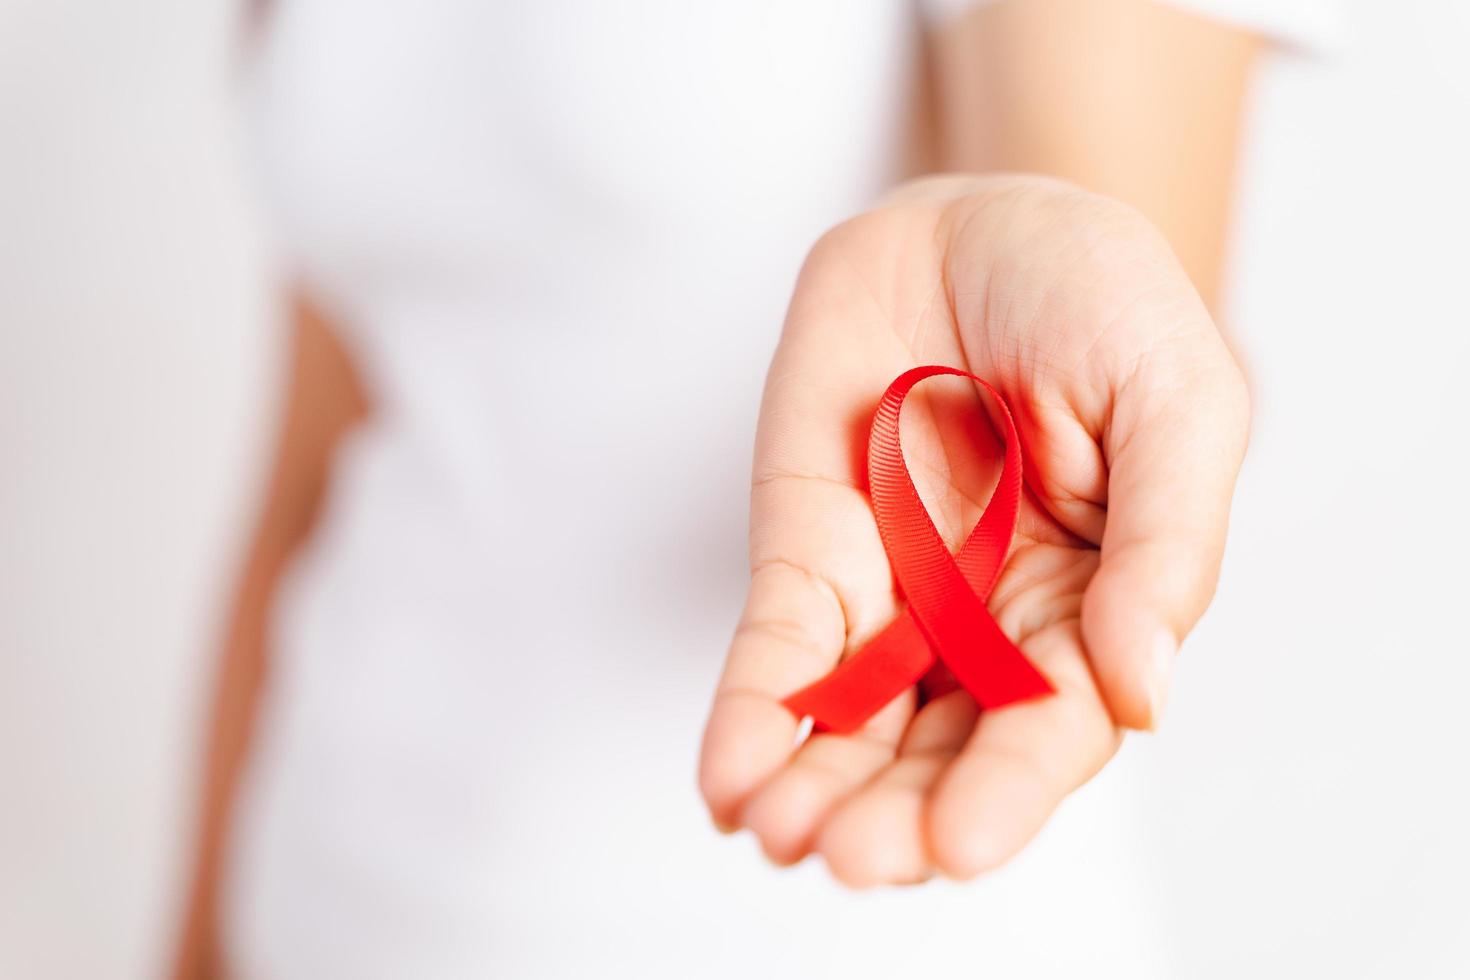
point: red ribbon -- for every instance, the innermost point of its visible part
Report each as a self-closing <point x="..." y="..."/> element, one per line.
<point x="946" y="617"/>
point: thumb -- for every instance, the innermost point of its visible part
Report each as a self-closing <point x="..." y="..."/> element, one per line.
<point x="1174" y="448"/>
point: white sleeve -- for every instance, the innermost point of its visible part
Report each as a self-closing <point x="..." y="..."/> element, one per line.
<point x="1299" y="25"/>
<point x="1295" y="25"/>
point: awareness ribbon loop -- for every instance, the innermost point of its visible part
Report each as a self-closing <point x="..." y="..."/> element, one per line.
<point x="946" y="617"/>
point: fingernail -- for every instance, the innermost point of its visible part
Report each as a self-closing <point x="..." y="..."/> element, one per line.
<point x="1161" y="669"/>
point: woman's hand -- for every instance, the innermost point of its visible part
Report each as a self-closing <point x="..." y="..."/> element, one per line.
<point x="1133" y="418"/>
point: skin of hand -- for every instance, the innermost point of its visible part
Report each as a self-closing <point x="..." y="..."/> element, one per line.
<point x="1133" y="418"/>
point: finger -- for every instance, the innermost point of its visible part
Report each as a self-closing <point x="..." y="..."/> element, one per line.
<point x="820" y="584"/>
<point x="792" y="631"/>
<point x="1020" y="762"/>
<point x="877" y="836"/>
<point x="787" y="811"/>
<point x="1174" y="450"/>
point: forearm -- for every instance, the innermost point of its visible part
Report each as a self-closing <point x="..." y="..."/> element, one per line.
<point x="324" y="403"/>
<point x="1129" y="98"/>
<point x="238" y="685"/>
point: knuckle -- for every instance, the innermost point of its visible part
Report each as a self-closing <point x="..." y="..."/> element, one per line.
<point x="838" y="244"/>
<point x="791" y="633"/>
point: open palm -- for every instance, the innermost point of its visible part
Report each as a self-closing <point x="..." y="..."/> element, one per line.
<point x="1133" y="419"/>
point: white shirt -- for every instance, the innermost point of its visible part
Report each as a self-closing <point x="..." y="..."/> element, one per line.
<point x="559" y="237"/>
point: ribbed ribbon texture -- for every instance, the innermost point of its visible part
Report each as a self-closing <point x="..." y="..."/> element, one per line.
<point x="946" y="617"/>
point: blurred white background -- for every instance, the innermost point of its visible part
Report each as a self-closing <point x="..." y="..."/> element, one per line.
<point x="135" y="363"/>
<point x="1311" y="792"/>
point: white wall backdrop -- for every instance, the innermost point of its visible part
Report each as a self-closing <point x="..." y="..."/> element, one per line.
<point x="1311" y="797"/>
